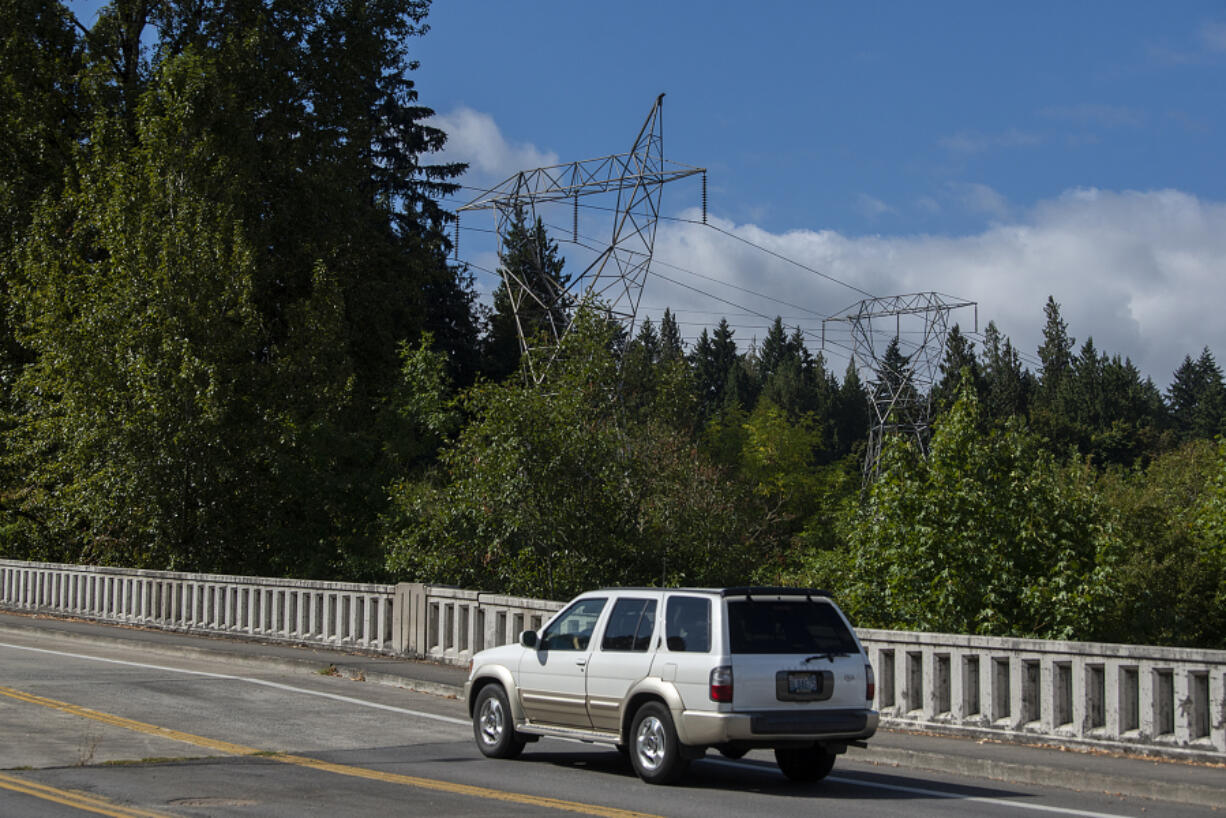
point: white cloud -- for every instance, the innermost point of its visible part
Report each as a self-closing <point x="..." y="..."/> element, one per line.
<point x="979" y="198"/>
<point x="475" y="138"/>
<point x="1141" y="272"/>
<point x="1096" y="114"/>
<point x="1213" y="36"/>
<point x="872" y="207"/>
<point x="1209" y="41"/>
<point x="971" y="142"/>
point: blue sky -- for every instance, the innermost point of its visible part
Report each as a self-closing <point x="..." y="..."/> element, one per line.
<point x="856" y="117"/>
<point x="998" y="153"/>
<point x="994" y="152"/>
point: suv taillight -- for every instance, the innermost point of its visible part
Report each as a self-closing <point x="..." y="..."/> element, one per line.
<point x="870" y="682"/>
<point x="721" y="684"/>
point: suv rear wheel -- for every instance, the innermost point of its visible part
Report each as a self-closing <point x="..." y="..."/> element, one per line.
<point x="492" y="724"/>
<point x="654" y="749"/>
<point x="804" y="765"/>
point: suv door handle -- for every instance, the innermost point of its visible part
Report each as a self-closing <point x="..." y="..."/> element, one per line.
<point x="581" y="662"/>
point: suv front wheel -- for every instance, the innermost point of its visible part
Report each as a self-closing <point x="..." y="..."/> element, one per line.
<point x="492" y="725"/>
<point x="654" y="749"/>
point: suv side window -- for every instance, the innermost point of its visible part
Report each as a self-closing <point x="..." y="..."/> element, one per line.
<point x="688" y="624"/>
<point x="573" y="629"/>
<point x="631" y="623"/>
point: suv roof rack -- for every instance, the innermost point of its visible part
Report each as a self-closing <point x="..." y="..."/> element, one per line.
<point x="772" y="590"/>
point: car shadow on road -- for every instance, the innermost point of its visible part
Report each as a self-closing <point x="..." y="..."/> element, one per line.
<point x="762" y="776"/>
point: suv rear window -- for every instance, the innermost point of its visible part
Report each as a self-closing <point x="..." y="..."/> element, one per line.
<point x="787" y="626"/>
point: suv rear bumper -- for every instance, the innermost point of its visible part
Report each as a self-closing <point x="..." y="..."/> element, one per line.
<point x="696" y="727"/>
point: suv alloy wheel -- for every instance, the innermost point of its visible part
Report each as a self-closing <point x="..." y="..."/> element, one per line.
<point x="492" y="726"/>
<point x="654" y="749"/>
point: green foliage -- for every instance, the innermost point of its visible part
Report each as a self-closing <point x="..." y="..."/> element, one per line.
<point x="222" y="235"/>
<point x="139" y="304"/>
<point x="1171" y="581"/>
<point x="1197" y="398"/>
<point x="530" y="259"/>
<point x="989" y="535"/>
<point x="959" y="356"/>
<point x="230" y="340"/>
<point x="1007" y="387"/>
<point x="716" y="366"/>
<point x="425" y="405"/>
<point x="1211" y="519"/>
<point x="777" y="455"/>
<point x="544" y="492"/>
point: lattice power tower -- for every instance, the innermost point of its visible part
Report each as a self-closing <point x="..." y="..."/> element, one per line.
<point x="900" y="392"/>
<point x="614" y="279"/>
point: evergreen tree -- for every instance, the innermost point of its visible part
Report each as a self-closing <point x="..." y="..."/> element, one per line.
<point x="852" y="413"/>
<point x="1209" y="419"/>
<point x="1183" y="395"/>
<point x="1119" y="414"/>
<point x="776" y="350"/>
<point x="1055" y="354"/>
<point x="1197" y="398"/>
<point x="640" y="368"/>
<point x="671" y="346"/>
<point x="452" y="324"/>
<point x="1053" y="411"/>
<point x="896" y="386"/>
<point x="959" y="355"/>
<point x="214" y="298"/>
<point x="42" y="121"/>
<point x="1086" y="403"/>
<point x="791" y="379"/>
<point x="716" y="368"/>
<point x="1007" y="386"/>
<point x="530" y="260"/>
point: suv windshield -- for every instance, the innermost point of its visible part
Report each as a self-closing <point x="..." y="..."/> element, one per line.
<point x="787" y="626"/>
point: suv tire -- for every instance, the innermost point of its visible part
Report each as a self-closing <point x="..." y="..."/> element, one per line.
<point x="492" y="725"/>
<point x="654" y="749"/>
<point x="804" y="765"/>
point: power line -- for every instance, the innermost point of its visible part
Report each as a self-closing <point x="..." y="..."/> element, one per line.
<point x="729" y="234"/>
<point x="712" y="279"/>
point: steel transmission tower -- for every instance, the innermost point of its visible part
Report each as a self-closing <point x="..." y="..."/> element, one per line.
<point x="900" y="384"/>
<point x="614" y="279"/>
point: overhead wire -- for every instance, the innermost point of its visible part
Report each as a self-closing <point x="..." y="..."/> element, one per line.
<point x="720" y="230"/>
<point x="825" y="335"/>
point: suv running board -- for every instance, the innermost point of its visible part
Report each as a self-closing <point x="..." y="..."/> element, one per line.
<point x="593" y="736"/>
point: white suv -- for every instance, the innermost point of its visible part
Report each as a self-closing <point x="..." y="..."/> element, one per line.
<point x="665" y="674"/>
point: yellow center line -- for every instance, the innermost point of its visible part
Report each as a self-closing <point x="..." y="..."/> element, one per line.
<point x="79" y="800"/>
<point x="340" y="769"/>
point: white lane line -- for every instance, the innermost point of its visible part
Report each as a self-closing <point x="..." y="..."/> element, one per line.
<point x="975" y="799"/>
<point x="276" y="685"/>
<point x="466" y="723"/>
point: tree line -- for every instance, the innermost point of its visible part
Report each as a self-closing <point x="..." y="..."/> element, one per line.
<point x="231" y="340"/>
<point x="1075" y="502"/>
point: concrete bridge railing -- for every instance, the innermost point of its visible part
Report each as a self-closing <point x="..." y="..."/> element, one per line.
<point x="436" y="622"/>
<point x="336" y="614"/>
<point x="1166" y="700"/>
<point x="1101" y="695"/>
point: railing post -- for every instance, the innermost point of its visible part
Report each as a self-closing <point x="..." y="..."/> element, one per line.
<point x="408" y="618"/>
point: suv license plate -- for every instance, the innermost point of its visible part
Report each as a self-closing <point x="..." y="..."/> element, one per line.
<point x="804" y="683"/>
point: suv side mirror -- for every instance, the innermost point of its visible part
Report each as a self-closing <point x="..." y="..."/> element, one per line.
<point x="527" y="639"/>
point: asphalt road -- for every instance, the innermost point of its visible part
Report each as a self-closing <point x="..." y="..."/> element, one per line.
<point x="118" y="730"/>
